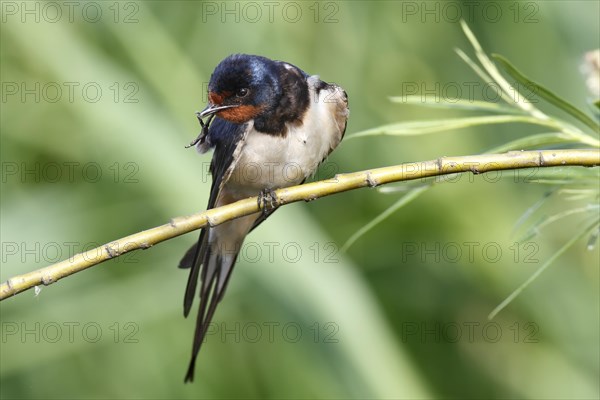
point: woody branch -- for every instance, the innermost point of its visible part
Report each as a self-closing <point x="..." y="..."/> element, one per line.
<point x="340" y="183"/>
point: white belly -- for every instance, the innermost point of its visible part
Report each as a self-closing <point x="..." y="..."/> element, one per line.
<point x="271" y="162"/>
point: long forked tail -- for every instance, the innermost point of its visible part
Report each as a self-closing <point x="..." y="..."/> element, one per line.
<point x="213" y="265"/>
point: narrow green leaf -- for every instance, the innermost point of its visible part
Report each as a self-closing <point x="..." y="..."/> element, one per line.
<point x="570" y="174"/>
<point x="533" y="141"/>
<point x="573" y="177"/>
<point x="482" y="74"/>
<point x="405" y="187"/>
<point x="532" y="231"/>
<point x="404" y="200"/>
<point x="579" y="194"/>
<point x="546" y="94"/>
<point x="469" y="61"/>
<point x="557" y="217"/>
<point x="537" y="273"/>
<point x="557" y="181"/>
<point x="583" y="195"/>
<point x="426" y="127"/>
<point x="463" y="104"/>
<point x="510" y="94"/>
<point x="531" y="210"/>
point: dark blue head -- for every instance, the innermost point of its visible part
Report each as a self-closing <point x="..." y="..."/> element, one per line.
<point x="242" y="87"/>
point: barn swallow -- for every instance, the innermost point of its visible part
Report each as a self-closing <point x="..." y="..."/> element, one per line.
<point x="270" y="125"/>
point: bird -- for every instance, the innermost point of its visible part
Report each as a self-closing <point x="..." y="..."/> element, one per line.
<point x="270" y="125"/>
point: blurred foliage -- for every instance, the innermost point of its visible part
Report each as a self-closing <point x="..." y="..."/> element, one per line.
<point x="402" y="314"/>
<point x="518" y="107"/>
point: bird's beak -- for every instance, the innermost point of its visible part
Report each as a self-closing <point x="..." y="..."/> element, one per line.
<point x="209" y="112"/>
<point x="212" y="109"/>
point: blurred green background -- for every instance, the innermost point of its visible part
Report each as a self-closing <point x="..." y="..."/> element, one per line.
<point x="97" y="105"/>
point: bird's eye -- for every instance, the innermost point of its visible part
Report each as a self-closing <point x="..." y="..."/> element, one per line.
<point x="243" y="92"/>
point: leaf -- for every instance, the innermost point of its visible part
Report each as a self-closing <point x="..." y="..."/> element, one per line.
<point x="533" y="141"/>
<point x="531" y="210"/>
<point x="463" y="104"/>
<point x="537" y="273"/>
<point x="574" y="177"/>
<point x="579" y="194"/>
<point x="426" y="127"/>
<point x="557" y="181"/>
<point x="407" y="186"/>
<point x="510" y="94"/>
<point x="546" y="94"/>
<point x="482" y="74"/>
<point x="404" y="200"/>
<point x="534" y="230"/>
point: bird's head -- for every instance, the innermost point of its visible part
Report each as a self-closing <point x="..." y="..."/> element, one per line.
<point x="241" y="88"/>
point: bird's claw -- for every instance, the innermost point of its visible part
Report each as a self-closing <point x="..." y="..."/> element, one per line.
<point x="267" y="201"/>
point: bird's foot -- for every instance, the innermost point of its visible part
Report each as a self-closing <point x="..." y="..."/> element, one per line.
<point x="267" y="201"/>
